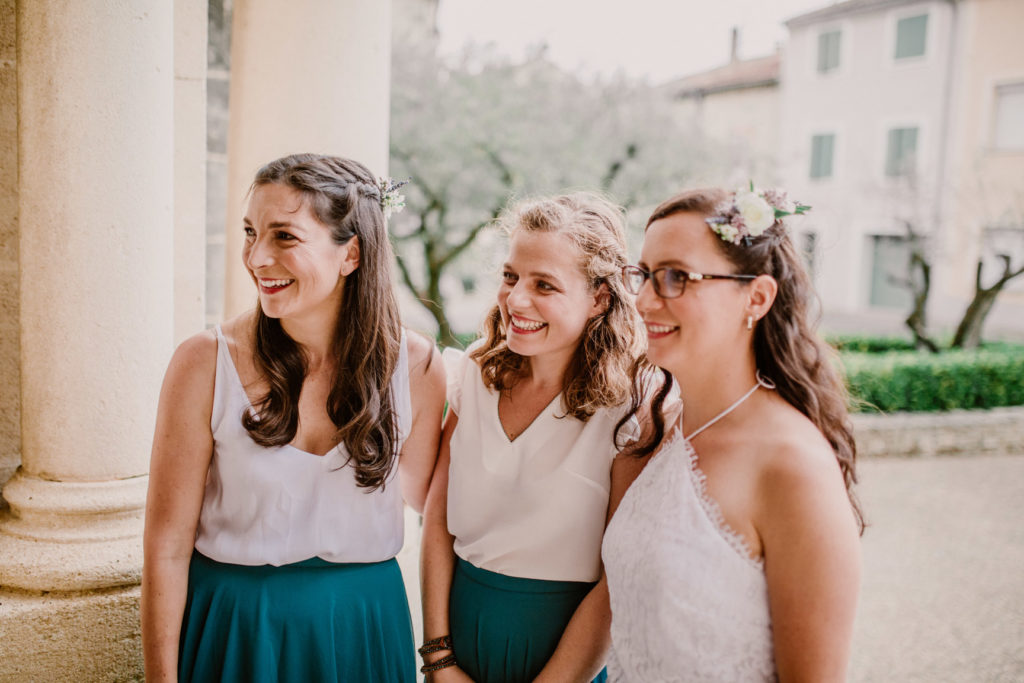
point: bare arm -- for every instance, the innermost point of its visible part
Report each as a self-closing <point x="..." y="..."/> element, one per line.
<point x="437" y="557"/>
<point x="182" y="449"/>
<point x="419" y="454"/>
<point x="812" y="565"/>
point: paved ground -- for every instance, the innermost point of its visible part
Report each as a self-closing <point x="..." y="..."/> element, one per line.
<point x="943" y="590"/>
<point x="942" y="599"/>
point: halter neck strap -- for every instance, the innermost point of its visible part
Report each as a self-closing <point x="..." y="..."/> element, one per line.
<point x="761" y="382"/>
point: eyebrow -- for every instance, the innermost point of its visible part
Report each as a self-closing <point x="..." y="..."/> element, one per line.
<point x="539" y="274"/>
<point x="671" y="263"/>
<point x="275" y="225"/>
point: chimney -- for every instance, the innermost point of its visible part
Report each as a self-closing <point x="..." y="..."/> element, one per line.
<point x="735" y="44"/>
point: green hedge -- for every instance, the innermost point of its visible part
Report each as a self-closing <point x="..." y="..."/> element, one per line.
<point x="864" y="344"/>
<point x="918" y="381"/>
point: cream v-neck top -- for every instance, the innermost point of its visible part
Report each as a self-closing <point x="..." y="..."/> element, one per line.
<point x="533" y="507"/>
<point x="280" y="505"/>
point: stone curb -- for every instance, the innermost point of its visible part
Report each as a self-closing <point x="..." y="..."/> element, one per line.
<point x="958" y="432"/>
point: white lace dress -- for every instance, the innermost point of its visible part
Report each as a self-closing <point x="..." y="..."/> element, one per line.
<point x="688" y="601"/>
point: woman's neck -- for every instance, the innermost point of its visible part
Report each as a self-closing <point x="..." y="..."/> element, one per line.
<point x="546" y="372"/>
<point x="314" y="336"/>
<point x="708" y="389"/>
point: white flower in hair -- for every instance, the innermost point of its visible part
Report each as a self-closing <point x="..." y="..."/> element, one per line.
<point x="758" y="215"/>
<point x="749" y="212"/>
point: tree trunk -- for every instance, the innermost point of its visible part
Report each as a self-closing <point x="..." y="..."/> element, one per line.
<point x="435" y="304"/>
<point x="919" y="287"/>
<point x="968" y="332"/>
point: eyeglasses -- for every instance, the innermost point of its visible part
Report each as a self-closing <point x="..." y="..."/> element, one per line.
<point x="669" y="283"/>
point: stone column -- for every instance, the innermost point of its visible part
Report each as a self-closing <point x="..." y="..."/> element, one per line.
<point x="306" y="76"/>
<point x="95" y="195"/>
<point x="189" y="167"/>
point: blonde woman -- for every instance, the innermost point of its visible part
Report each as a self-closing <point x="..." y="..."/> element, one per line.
<point x="513" y="588"/>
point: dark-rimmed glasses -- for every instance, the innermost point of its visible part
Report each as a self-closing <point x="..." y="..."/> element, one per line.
<point x="669" y="283"/>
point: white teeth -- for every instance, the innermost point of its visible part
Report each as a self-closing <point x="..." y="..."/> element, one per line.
<point x="275" y="283"/>
<point x="529" y="326"/>
<point x="659" y="329"/>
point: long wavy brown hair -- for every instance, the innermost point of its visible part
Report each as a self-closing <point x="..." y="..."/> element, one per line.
<point x="599" y="372"/>
<point x="365" y="345"/>
<point x="786" y="348"/>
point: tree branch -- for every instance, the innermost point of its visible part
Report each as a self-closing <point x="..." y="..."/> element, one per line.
<point x="407" y="276"/>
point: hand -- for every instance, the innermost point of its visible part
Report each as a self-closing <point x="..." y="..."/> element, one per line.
<point x="450" y="674"/>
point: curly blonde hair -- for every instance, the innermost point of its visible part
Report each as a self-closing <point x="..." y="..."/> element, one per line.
<point x="599" y="373"/>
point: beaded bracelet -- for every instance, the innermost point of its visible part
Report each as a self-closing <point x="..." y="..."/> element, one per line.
<point x="443" y="663"/>
<point x="435" y="645"/>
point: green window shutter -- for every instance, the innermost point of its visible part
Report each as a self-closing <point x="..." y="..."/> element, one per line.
<point x="828" y="51"/>
<point x="900" y="151"/>
<point x="911" y="33"/>
<point x="822" y="148"/>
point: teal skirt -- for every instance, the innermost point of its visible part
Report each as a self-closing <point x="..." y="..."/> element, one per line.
<point x="505" y="628"/>
<point x="309" y="621"/>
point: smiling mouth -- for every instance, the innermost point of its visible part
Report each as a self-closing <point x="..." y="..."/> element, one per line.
<point x="271" y="286"/>
<point x="524" y="326"/>
<point x="655" y="330"/>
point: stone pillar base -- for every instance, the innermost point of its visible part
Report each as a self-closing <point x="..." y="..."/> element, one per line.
<point x="71" y="638"/>
<point x="71" y="536"/>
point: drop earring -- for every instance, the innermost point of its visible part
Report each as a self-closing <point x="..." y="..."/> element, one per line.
<point x="750" y="322"/>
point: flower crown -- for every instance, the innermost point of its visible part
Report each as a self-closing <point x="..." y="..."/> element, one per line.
<point x="390" y="201"/>
<point x="747" y="213"/>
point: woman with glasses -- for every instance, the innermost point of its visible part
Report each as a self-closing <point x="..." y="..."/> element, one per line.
<point x="512" y="583"/>
<point x="734" y="555"/>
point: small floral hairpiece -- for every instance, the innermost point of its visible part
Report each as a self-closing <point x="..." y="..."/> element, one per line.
<point x="390" y="201"/>
<point x="747" y="213"/>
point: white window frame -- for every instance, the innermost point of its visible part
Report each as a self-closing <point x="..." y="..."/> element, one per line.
<point x="994" y="90"/>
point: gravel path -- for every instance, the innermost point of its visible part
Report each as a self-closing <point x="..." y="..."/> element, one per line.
<point x="943" y="589"/>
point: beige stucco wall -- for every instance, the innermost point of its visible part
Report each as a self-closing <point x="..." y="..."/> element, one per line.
<point x="10" y="372"/>
<point x="989" y="183"/>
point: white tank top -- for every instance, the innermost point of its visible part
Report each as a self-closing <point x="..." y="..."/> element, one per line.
<point x="534" y="507"/>
<point x="280" y="505"/>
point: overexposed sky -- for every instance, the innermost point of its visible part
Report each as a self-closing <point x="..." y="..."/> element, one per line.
<point x="654" y="39"/>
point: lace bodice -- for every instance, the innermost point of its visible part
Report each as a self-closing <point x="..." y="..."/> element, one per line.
<point x="688" y="601"/>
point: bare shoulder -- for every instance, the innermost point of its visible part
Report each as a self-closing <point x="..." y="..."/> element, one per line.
<point x="793" y="446"/>
<point x="424" y="359"/>
<point x="195" y="358"/>
<point x="798" y="473"/>
<point x="187" y="393"/>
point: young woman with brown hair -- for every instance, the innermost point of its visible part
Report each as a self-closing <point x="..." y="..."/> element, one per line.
<point x="512" y="580"/>
<point x="734" y="555"/>
<point x="286" y="440"/>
